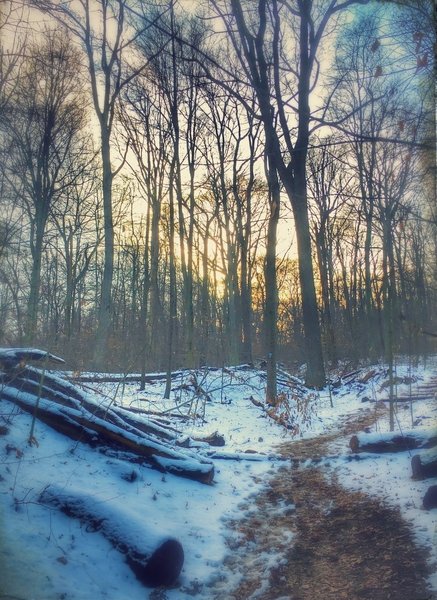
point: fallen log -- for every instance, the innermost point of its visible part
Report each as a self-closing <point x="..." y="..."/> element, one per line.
<point x="430" y="498"/>
<point x="12" y="359"/>
<point x="424" y="465"/>
<point x="130" y="377"/>
<point x="65" y="408"/>
<point x="247" y="455"/>
<point x="120" y="378"/>
<point x="160" y="415"/>
<point x="214" y="439"/>
<point x="390" y="442"/>
<point x="156" y="560"/>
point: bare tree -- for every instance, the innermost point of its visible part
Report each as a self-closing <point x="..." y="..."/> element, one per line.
<point x="73" y="217"/>
<point x="262" y="37"/>
<point x="326" y="184"/>
<point x="106" y="36"/>
<point x="41" y="125"/>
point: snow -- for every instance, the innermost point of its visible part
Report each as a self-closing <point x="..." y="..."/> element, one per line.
<point x="388" y="476"/>
<point x="46" y="555"/>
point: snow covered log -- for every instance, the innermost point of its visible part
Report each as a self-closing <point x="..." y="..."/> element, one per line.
<point x="122" y="378"/>
<point x="424" y="465"/>
<point x="66" y="408"/>
<point x="393" y="442"/>
<point x="14" y="358"/>
<point x="135" y="377"/>
<point x="155" y="559"/>
<point x="214" y="439"/>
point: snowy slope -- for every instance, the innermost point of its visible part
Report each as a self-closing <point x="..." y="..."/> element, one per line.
<point x="45" y="555"/>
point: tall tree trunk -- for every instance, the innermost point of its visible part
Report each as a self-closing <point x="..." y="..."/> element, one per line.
<point x="271" y="302"/>
<point x="322" y="259"/>
<point x="313" y="343"/>
<point x="172" y="295"/>
<point x="155" y="303"/>
<point x="246" y="307"/>
<point x="105" y="308"/>
<point x="69" y="296"/>
<point x="144" y="312"/>
<point x="389" y="293"/>
<point x="35" y="280"/>
<point x="205" y="298"/>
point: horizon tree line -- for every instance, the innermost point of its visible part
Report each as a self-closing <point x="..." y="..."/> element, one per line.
<point x="147" y="170"/>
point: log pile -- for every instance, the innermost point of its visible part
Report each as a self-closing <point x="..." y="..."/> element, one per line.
<point x="72" y="412"/>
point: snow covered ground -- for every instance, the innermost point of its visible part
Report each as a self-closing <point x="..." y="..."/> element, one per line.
<point x="388" y="476"/>
<point x="46" y="555"/>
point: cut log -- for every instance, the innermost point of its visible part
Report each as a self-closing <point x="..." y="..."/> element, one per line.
<point x="214" y="439"/>
<point x="15" y="358"/>
<point x="131" y="377"/>
<point x="424" y="465"/>
<point x="430" y="498"/>
<point x="415" y="397"/>
<point x="247" y="455"/>
<point x="75" y="414"/>
<point x="121" y="378"/>
<point x="155" y="560"/>
<point x="160" y="416"/>
<point x="390" y="442"/>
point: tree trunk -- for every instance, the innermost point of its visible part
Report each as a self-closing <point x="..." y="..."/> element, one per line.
<point x="105" y="308"/>
<point x="271" y="302"/>
<point x="144" y="312"/>
<point x="172" y="292"/>
<point x="322" y="258"/>
<point x="35" y="280"/>
<point x="315" y="376"/>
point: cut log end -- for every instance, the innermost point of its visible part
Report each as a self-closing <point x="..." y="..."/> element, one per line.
<point x="354" y="443"/>
<point x="430" y="498"/>
<point x="422" y="468"/>
<point x="153" y="565"/>
<point x="162" y="568"/>
<point x="416" y="467"/>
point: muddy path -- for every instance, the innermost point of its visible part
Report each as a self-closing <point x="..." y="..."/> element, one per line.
<point x="334" y="544"/>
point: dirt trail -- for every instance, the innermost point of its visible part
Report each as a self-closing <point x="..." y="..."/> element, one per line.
<point x="335" y="544"/>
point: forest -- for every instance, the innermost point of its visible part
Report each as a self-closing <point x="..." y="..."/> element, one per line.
<point x="218" y="182"/>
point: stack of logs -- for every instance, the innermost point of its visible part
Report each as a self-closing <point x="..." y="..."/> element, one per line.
<point x="115" y="430"/>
